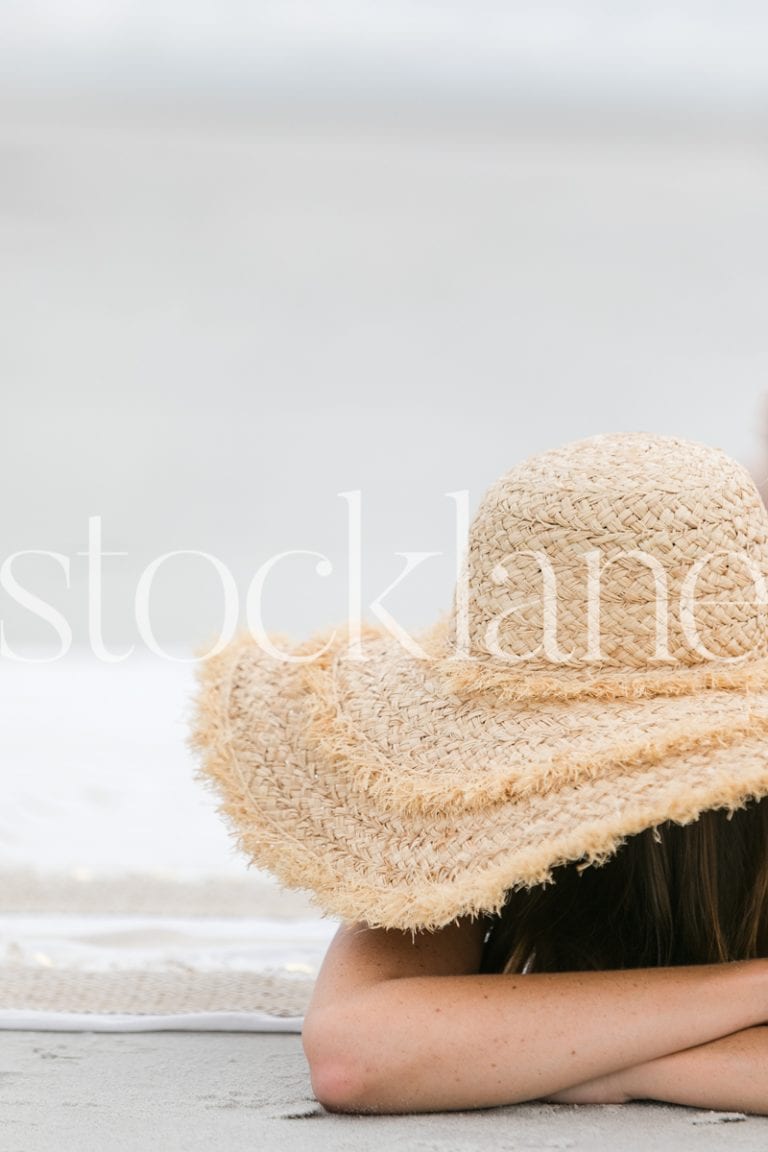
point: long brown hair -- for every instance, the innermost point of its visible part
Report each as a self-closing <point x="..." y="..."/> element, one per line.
<point x="677" y="894"/>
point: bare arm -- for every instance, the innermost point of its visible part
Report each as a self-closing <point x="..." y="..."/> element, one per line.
<point x="380" y="1037"/>
<point x="729" y="1074"/>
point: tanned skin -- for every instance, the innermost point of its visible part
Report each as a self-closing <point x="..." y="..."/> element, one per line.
<point x="399" y="1024"/>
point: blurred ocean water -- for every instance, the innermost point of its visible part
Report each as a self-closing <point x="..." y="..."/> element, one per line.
<point x="96" y="777"/>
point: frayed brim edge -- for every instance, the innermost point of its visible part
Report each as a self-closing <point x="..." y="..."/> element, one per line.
<point x="269" y="843"/>
<point x="265" y="840"/>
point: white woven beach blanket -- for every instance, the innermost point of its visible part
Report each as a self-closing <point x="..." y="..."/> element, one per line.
<point x="136" y="972"/>
<point x="123" y="904"/>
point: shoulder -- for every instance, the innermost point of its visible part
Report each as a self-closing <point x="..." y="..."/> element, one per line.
<point x="359" y="956"/>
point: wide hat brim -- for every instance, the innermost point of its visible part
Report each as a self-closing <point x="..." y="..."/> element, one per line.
<point x="394" y="796"/>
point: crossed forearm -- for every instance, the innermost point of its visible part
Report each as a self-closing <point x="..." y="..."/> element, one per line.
<point x="729" y="1074"/>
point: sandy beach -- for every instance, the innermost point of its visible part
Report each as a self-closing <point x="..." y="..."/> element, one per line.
<point x="187" y="1092"/>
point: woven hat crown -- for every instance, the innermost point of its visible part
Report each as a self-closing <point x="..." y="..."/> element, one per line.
<point x="620" y="551"/>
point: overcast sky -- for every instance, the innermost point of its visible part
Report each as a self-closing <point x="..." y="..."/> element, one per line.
<point x="649" y="50"/>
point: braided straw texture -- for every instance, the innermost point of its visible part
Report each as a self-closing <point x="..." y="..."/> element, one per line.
<point x="407" y="792"/>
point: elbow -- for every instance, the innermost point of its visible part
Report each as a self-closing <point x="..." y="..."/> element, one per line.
<point x="337" y="1088"/>
<point x="335" y="1065"/>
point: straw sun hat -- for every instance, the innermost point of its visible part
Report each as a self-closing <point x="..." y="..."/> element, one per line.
<point x="603" y="668"/>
